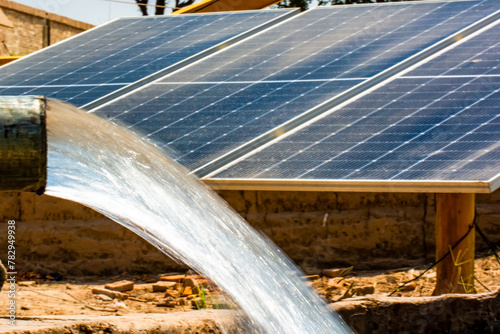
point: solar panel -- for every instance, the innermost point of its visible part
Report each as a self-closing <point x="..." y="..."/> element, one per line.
<point x="102" y="60"/>
<point x="439" y="123"/>
<point x="242" y="96"/>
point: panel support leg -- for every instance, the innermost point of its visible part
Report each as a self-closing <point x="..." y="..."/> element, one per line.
<point x="454" y="216"/>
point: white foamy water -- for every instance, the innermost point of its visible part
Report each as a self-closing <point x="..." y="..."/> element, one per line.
<point x="112" y="171"/>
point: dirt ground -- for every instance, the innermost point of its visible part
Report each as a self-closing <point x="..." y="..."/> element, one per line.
<point x="41" y="296"/>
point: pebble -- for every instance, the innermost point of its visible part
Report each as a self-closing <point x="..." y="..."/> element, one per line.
<point x="109" y="293"/>
<point x="170" y="274"/>
<point x="188" y="291"/>
<point x="167" y="302"/>
<point x="104" y="298"/>
<point x="171" y="294"/>
<point x="172" y="278"/>
<point x="193" y="284"/>
<point x="120" y="286"/>
<point x="163" y="286"/>
<point x="339" y="272"/>
<point x="391" y="279"/>
<point x="364" y="290"/>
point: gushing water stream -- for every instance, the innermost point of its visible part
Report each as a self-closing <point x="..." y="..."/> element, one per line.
<point x="112" y="171"/>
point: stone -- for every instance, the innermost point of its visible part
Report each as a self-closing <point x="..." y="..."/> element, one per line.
<point x="167" y="302"/>
<point x="190" y="281"/>
<point x="109" y="293"/>
<point x="194" y="284"/>
<point x="339" y="272"/>
<point x="364" y="290"/>
<point x="175" y="273"/>
<point x="188" y="291"/>
<point x="170" y="293"/>
<point x="104" y="298"/>
<point x="391" y="279"/>
<point x="163" y="286"/>
<point x="333" y="283"/>
<point x="172" y="278"/>
<point x="120" y="286"/>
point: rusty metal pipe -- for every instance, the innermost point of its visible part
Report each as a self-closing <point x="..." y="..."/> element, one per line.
<point x="23" y="144"/>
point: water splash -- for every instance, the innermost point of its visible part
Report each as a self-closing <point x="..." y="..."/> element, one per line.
<point x="131" y="181"/>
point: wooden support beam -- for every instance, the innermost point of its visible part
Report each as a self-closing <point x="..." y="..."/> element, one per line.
<point x="454" y="216"/>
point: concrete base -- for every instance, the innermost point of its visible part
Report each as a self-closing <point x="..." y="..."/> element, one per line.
<point x="460" y="314"/>
<point x="201" y="322"/>
<point x="453" y="313"/>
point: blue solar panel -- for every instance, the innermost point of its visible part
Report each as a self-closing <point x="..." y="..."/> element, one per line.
<point x="93" y="64"/>
<point x="214" y="106"/>
<point x="439" y="122"/>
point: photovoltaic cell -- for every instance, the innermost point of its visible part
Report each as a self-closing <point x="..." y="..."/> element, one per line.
<point x="102" y="60"/>
<point x="439" y="122"/>
<point x="214" y="106"/>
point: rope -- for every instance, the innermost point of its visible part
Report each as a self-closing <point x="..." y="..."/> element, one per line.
<point x="488" y="243"/>
<point x="471" y="226"/>
<point x="475" y="226"/>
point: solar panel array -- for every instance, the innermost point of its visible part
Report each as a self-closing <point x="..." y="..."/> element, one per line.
<point x="368" y="94"/>
<point x="440" y="121"/>
<point x="102" y="60"/>
<point x="210" y="109"/>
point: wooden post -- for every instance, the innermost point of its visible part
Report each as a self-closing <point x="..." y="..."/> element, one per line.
<point x="454" y="216"/>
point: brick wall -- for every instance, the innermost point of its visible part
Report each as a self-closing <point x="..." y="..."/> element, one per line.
<point x="316" y="229"/>
<point x="367" y="230"/>
<point x="30" y="26"/>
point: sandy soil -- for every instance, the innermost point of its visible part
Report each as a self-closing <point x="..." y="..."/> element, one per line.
<point x="38" y="295"/>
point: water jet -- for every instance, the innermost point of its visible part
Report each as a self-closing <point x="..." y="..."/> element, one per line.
<point x="114" y="172"/>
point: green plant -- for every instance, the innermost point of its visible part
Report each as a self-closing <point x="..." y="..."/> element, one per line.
<point x="203" y="298"/>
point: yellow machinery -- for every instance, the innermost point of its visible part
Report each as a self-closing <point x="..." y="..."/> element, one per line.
<point x="6" y="60"/>
<point x="225" y="5"/>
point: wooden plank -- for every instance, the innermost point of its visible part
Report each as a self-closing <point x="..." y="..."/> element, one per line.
<point x="454" y="216"/>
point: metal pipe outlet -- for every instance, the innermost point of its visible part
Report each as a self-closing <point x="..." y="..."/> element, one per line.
<point x="23" y="144"/>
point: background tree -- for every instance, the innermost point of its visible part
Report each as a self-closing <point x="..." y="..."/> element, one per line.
<point x="180" y="4"/>
<point x="304" y="4"/>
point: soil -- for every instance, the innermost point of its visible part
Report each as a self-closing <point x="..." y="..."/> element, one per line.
<point x="41" y="296"/>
